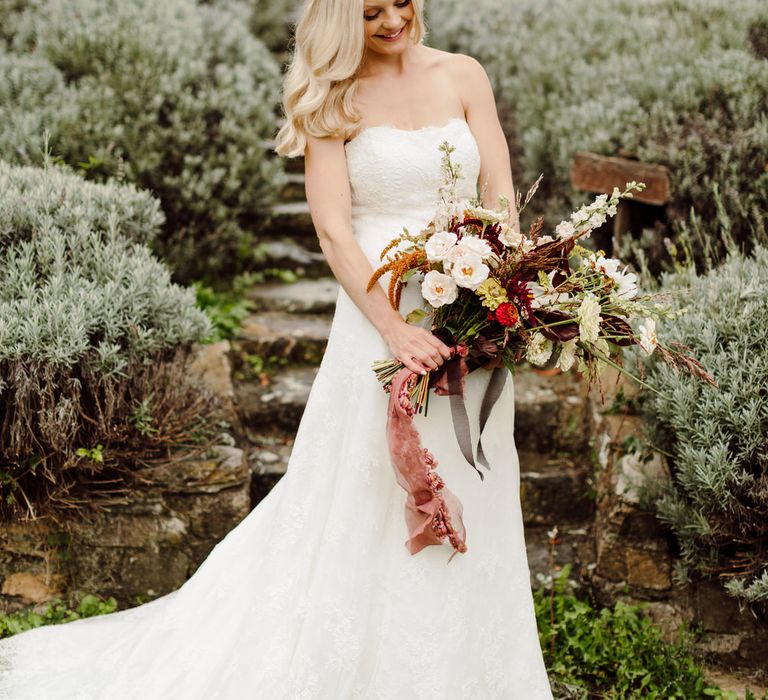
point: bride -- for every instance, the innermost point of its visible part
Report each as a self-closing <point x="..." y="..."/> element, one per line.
<point x="314" y="596"/>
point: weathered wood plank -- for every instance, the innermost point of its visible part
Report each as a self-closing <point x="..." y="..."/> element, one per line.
<point x="595" y="173"/>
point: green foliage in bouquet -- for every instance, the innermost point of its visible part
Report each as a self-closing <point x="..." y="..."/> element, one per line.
<point x="677" y="83"/>
<point x="92" y="333"/>
<point x="717" y="439"/>
<point x="173" y="96"/>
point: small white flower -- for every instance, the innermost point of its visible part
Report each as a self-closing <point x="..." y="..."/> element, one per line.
<point x="567" y="355"/>
<point x="539" y="350"/>
<point x="438" y="289"/>
<point x="648" y="340"/>
<point x="616" y="193"/>
<point x="626" y="282"/>
<point x="468" y="269"/>
<point x="510" y="237"/>
<point x="474" y="245"/>
<point x="611" y="210"/>
<point x="565" y="229"/>
<point x="438" y="245"/>
<point x="589" y="318"/>
<point x="546" y="296"/>
<point x="597" y="219"/>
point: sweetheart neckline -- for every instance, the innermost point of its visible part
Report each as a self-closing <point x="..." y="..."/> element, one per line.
<point x="429" y="127"/>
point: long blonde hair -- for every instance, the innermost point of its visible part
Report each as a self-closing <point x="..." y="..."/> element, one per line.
<point x="320" y="84"/>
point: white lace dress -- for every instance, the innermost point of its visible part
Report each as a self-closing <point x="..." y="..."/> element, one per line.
<point x="314" y="596"/>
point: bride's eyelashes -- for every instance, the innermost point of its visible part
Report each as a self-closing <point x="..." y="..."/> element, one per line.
<point x="372" y="17"/>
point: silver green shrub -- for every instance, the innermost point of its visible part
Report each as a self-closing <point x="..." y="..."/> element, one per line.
<point x="91" y="329"/>
<point x="717" y="438"/>
<point x="30" y="201"/>
<point x="268" y="20"/>
<point x="172" y="96"/>
<point x="675" y="82"/>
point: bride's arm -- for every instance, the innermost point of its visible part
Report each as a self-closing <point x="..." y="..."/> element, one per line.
<point x="329" y="198"/>
<point x="483" y="119"/>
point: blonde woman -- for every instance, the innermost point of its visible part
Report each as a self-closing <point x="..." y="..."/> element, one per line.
<point x="314" y="595"/>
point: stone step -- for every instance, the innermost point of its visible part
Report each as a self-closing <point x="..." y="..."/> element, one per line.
<point x="293" y="189"/>
<point x="292" y="219"/>
<point x="307" y="296"/>
<point x="551" y="413"/>
<point x="290" y="254"/>
<point x="554" y="490"/>
<point x="277" y="335"/>
<point x="267" y="457"/>
<point x="277" y="405"/>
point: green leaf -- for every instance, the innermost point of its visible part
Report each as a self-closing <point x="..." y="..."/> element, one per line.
<point x="416" y="316"/>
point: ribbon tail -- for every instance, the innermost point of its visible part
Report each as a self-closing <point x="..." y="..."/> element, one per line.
<point x="432" y="512"/>
<point x="491" y="396"/>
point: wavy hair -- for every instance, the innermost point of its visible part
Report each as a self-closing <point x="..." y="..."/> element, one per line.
<point x="321" y="81"/>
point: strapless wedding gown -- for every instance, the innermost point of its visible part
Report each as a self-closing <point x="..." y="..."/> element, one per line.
<point x="314" y="595"/>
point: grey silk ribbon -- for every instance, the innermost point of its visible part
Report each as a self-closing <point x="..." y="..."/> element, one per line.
<point x="459" y="412"/>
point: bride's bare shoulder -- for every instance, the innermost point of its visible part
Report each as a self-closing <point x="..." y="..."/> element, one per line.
<point x="463" y="69"/>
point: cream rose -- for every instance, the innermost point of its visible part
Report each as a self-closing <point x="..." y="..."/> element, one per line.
<point x="438" y="289"/>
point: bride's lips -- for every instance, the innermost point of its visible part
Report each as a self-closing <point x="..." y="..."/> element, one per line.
<point x="400" y="33"/>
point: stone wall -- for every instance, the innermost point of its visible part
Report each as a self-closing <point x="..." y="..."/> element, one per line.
<point x="134" y="551"/>
<point x="635" y="553"/>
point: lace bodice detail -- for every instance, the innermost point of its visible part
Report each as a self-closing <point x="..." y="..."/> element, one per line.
<point x="394" y="170"/>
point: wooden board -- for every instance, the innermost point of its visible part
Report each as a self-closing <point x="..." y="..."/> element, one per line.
<point x="591" y="172"/>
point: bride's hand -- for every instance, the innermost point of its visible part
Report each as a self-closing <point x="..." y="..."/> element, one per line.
<point x="417" y="348"/>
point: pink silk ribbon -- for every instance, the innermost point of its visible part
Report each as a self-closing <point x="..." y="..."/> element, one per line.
<point x="432" y="512"/>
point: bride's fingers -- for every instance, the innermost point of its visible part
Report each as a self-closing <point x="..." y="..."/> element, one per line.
<point x="429" y="356"/>
<point x="440" y="346"/>
<point x="413" y="364"/>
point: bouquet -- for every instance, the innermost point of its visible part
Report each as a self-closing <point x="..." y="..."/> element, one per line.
<point x="498" y="297"/>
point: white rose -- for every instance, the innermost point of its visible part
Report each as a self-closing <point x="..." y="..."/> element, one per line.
<point x="476" y="246"/>
<point x="438" y="245"/>
<point x="468" y="269"/>
<point x="509" y="237"/>
<point x="539" y="350"/>
<point x="438" y="289"/>
<point x="567" y="355"/>
<point x="589" y="318"/>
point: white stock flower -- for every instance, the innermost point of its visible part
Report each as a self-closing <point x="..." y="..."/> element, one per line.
<point x="567" y="355"/>
<point x="509" y="236"/>
<point x="439" y="244"/>
<point x="539" y="350"/>
<point x="476" y="246"/>
<point x="648" y="340"/>
<point x="565" y="229"/>
<point x="438" y="289"/>
<point x="597" y="219"/>
<point x="468" y="269"/>
<point x="589" y="318"/>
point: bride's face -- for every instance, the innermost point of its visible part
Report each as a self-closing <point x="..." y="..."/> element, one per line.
<point x="387" y="25"/>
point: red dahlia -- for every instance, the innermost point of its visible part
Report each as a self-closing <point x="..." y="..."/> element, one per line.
<point x="506" y="314"/>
